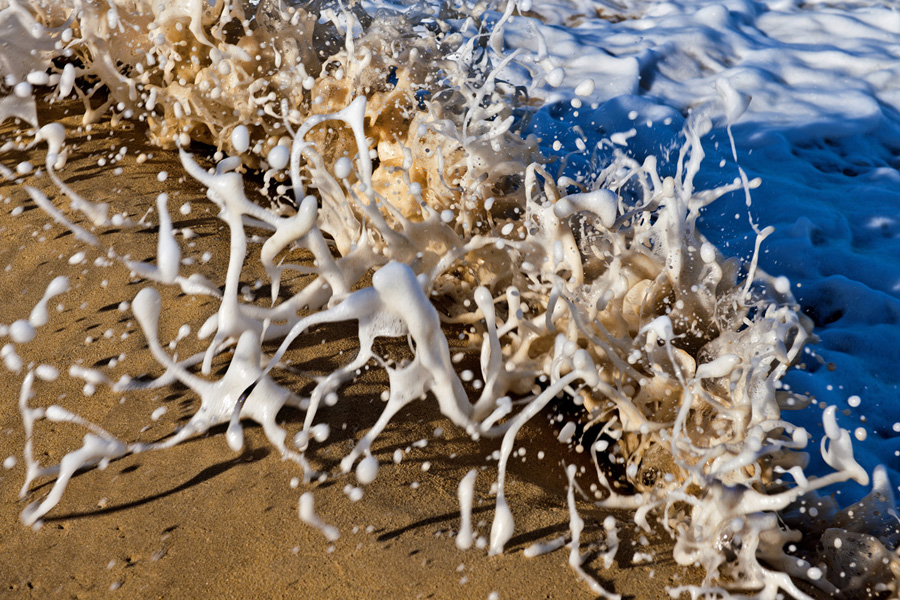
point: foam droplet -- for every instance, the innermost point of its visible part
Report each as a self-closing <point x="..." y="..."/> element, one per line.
<point x="22" y="89"/>
<point x="240" y="139"/>
<point x="21" y="331"/>
<point x="555" y="77"/>
<point x="11" y="359"/>
<point x="67" y="80"/>
<point x="342" y="167"/>
<point x="320" y="432"/>
<point x="782" y="285"/>
<point x="46" y="372"/>
<point x="367" y="470"/>
<point x="278" y="157"/>
<point x="585" y="88"/>
<point x="59" y="285"/>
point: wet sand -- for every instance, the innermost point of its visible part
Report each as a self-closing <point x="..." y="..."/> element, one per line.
<point x="199" y="520"/>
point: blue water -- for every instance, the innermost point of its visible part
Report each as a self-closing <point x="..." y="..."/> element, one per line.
<point x="822" y="132"/>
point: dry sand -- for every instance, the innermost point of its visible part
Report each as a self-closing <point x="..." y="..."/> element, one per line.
<point x="201" y="521"/>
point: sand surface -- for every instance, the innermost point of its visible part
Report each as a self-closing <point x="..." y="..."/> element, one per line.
<point x="201" y="521"/>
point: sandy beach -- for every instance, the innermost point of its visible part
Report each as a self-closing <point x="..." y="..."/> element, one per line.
<point x="321" y="286"/>
<point x="199" y="520"/>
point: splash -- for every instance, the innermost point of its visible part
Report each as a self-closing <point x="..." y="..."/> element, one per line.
<point x="392" y="151"/>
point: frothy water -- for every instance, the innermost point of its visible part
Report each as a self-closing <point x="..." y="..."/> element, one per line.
<point x="402" y="146"/>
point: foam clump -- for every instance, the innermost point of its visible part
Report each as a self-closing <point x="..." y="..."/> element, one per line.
<point x="399" y="163"/>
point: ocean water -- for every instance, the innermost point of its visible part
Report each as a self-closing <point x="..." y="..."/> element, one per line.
<point x="821" y="132"/>
<point x="680" y="217"/>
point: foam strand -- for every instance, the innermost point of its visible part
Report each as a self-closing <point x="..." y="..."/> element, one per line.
<point x="54" y="135"/>
<point x="39" y="316"/>
<point x="226" y="190"/>
<point x="306" y="507"/>
<point x="29" y="416"/>
<point x="168" y="252"/>
<point x="44" y="204"/>
<point x="576" y="526"/>
<point x="465" y="493"/>
<point x="503" y="525"/>
<point x="218" y="398"/>
<point x="99" y="447"/>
